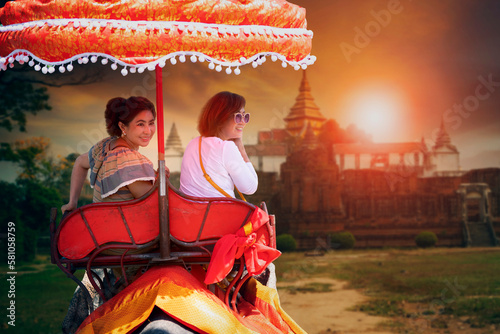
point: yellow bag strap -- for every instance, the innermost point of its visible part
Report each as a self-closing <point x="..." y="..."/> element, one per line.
<point x="209" y="179"/>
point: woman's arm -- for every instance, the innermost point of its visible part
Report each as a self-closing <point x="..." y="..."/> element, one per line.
<point x="139" y="188"/>
<point x="78" y="176"/>
<point x="240" y="168"/>
<point x="241" y="148"/>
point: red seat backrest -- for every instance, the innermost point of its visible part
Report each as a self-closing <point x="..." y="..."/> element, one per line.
<point x="193" y="219"/>
<point x="137" y="221"/>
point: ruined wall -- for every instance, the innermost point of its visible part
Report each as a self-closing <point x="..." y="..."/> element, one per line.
<point x="381" y="208"/>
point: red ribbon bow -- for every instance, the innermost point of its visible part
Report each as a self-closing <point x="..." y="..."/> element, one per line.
<point x="249" y="241"/>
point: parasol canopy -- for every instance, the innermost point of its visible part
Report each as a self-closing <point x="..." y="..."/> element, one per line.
<point x="135" y="35"/>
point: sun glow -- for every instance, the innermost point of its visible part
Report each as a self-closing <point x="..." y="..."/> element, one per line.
<point x="377" y="110"/>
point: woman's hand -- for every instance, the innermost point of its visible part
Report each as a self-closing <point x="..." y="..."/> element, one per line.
<point x="78" y="176"/>
<point x="68" y="207"/>
<point x="241" y="148"/>
<point x="238" y="142"/>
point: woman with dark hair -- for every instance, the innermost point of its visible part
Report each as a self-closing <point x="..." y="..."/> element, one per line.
<point x="118" y="172"/>
<point x="216" y="162"/>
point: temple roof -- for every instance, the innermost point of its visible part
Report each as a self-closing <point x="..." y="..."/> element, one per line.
<point x="379" y="148"/>
<point x="310" y="141"/>
<point x="174" y="141"/>
<point x="272" y="136"/>
<point x="304" y="106"/>
<point x="443" y="140"/>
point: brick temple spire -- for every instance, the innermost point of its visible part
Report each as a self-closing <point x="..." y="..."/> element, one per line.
<point x="304" y="112"/>
<point x="443" y="140"/>
<point x="174" y="141"/>
<point x="310" y="140"/>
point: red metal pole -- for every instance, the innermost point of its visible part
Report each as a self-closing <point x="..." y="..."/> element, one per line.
<point x="163" y="187"/>
<point x="159" y="113"/>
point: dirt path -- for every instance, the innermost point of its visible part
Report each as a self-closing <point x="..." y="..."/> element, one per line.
<point x="328" y="312"/>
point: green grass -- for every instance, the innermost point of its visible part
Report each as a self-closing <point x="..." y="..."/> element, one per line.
<point x="443" y="282"/>
<point x="487" y="307"/>
<point x="42" y="295"/>
<point x="309" y="287"/>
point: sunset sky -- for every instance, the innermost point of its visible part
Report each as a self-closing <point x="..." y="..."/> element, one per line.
<point x="393" y="68"/>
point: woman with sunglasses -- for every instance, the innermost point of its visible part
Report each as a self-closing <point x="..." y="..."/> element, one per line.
<point x="223" y="163"/>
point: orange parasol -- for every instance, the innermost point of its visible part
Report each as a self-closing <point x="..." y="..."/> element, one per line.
<point x="139" y="35"/>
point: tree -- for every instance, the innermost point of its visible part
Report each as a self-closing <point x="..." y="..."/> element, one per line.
<point x="36" y="167"/>
<point x="64" y="169"/>
<point x="42" y="180"/>
<point x="21" y="94"/>
<point x="61" y="171"/>
<point x="286" y="243"/>
<point x="332" y="133"/>
<point x="35" y="203"/>
<point x="356" y="135"/>
<point x="9" y="202"/>
<point x="342" y="240"/>
<point x="31" y="157"/>
<point x="39" y="175"/>
<point x="426" y="239"/>
<point x="27" y="203"/>
<point x="18" y="98"/>
<point x="12" y="212"/>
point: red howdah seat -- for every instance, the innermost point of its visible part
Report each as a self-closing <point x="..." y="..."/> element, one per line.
<point x="120" y="234"/>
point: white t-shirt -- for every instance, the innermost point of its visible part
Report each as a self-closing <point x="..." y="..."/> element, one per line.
<point x="223" y="163"/>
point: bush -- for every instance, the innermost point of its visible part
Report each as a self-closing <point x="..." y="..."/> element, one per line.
<point x="342" y="240"/>
<point x="286" y="243"/>
<point x="426" y="239"/>
<point x="26" y="242"/>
